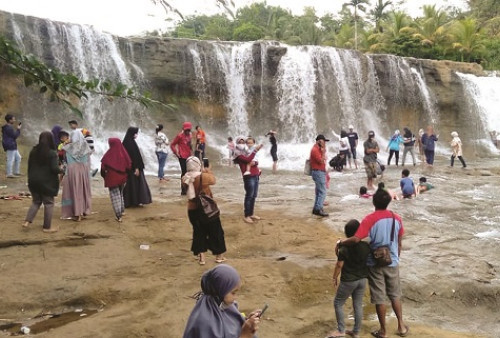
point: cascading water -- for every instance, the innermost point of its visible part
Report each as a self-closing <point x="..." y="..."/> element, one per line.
<point x="236" y="61"/>
<point x="484" y="99"/>
<point x="428" y="102"/>
<point x="89" y="54"/>
<point x="298" y="91"/>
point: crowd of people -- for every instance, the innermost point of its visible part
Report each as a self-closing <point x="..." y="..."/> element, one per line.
<point x="62" y="159"/>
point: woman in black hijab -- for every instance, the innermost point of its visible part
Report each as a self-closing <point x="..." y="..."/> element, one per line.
<point x="136" y="192"/>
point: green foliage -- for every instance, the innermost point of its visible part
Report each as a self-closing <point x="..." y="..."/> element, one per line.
<point x="248" y="32"/>
<point x="368" y="25"/>
<point x="61" y="87"/>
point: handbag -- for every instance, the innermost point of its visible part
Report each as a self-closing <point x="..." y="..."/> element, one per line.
<point x="307" y="168"/>
<point x="382" y="254"/>
<point x="206" y="204"/>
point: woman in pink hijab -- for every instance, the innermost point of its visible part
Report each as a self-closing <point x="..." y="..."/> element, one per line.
<point x="114" y="166"/>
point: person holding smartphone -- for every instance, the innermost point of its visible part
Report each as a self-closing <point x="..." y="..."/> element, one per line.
<point x="318" y="173"/>
<point x="216" y="311"/>
<point x="10" y="132"/>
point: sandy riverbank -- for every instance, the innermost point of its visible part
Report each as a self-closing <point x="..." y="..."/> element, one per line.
<point x="285" y="260"/>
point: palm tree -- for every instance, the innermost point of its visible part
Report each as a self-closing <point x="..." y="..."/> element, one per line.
<point x="379" y="13"/>
<point x="469" y="39"/>
<point x="357" y="5"/>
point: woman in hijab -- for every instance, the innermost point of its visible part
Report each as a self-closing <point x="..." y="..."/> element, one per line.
<point x="393" y="147"/>
<point x="216" y="311"/>
<point x="136" y="192"/>
<point x="76" y="195"/>
<point x="456" y="147"/>
<point x="55" y="134"/>
<point x="207" y="233"/>
<point x="114" y="167"/>
<point x="43" y="180"/>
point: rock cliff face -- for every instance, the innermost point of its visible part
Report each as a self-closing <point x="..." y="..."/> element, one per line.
<point x="249" y="87"/>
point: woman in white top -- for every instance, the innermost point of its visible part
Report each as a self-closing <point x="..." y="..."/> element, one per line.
<point x="344" y="147"/>
<point x="161" y="143"/>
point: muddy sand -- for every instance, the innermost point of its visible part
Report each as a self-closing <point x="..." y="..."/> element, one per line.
<point x="91" y="279"/>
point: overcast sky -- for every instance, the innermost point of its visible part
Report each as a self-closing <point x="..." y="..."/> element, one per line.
<point x="128" y="17"/>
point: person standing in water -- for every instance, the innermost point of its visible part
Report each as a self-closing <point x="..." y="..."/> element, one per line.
<point x="456" y="147"/>
<point x="181" y="147"/>
<point x="274" y="149"/>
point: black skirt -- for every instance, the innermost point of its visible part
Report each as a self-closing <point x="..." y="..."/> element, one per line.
<point x="207" y="234"/>
<point x="136" y="191"/>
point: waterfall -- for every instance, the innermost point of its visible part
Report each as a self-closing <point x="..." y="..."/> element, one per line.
<point x="428" y="101"/>
<point x="88" y="54"/>
<point x="247" y="89"/>
<point x="483" y="94"/>
<point x="236" y="61"/>
<point x="296" y="82"/>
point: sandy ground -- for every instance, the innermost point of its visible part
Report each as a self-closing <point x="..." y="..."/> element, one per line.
<point x="285" y="260"/>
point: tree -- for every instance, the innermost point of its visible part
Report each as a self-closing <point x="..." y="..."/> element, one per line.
<point x="61" y="87"/>
<point x="248" y="32"/>
<point x="379" y="13"/>
<point x="357" y="5"/>
<point x="469" y="40"/>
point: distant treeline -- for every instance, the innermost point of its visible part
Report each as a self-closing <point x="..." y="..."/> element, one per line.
<point x="375" y="26"/>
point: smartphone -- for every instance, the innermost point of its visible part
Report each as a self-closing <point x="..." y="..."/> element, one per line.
<point x="263" y="310"/>
<point x="205" y="162"/>
<point x="20" y="123"/>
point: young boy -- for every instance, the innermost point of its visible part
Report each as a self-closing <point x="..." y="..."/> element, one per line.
<point x="352" y="262"/>
<point x="406" y="183"/>
<point x="423" y="185"/>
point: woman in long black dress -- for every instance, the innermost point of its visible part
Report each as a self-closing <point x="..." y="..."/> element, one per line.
<point x="136" y="192"/>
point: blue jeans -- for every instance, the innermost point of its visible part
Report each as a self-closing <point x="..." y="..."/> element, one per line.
<point x="251" y="184"/>
<point x="319" y="178"/>
<point x="13" y="160"/>
<point x="162" y="159"/>
<point x="356" y="289"/>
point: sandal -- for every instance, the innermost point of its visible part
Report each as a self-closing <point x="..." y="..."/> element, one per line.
<point x="352" y="334"/>
<point x="220" y="259"/>
<point x="377" y="334"/>
<point x="336" y="334"/>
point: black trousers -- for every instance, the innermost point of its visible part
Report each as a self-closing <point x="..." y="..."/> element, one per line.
<point x="207" y="234"/>
<point x="460" y="158"/>
<point x="182" y="162"/>
<point x="396" y="153"/>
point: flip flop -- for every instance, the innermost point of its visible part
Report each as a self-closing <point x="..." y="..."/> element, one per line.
<point x="377" y="334"/>
<point x="404" y="334"/>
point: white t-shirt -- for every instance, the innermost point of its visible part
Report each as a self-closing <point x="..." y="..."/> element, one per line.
<point x="161" y="143"/>
<point x="344" y="144"/>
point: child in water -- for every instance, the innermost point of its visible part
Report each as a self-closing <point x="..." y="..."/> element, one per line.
<point x="406" y="183"/>
<point x="423" y="185"/>
<point x="363" y="192"/>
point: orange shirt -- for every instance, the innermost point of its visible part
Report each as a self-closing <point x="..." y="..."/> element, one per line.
<point x="200" y="136"/>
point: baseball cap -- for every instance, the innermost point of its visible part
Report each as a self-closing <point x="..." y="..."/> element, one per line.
<point x="321" y="137"/>
<point x="351" y="126"/>
<point x="187" y="125"/>
<point x="371" y="133"/>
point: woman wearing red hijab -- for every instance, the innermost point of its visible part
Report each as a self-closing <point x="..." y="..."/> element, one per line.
<point x="114" y="166"/>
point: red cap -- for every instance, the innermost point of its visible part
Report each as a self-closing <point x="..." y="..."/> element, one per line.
<point x="187" y="125"/>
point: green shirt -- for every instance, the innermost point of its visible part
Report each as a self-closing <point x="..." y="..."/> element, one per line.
<point x="354" y="258"/>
